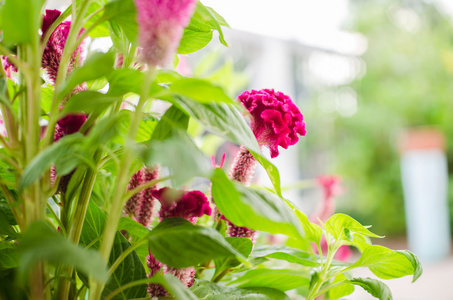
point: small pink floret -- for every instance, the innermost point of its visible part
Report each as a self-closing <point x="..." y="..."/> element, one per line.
<point x="276" y="120"/>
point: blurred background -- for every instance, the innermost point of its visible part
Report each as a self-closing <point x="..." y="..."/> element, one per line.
<point x="374" y="80"/>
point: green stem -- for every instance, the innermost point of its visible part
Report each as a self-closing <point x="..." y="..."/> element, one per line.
<point x="322" y="277"/>
<point x="63" y="229"/>
<point x="77" y="223"/>
<point x="325" y="290"/>
<point x="221" y="275"/>
<point x="121" y="181"/>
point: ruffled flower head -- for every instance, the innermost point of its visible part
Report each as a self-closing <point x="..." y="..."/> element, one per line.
<point x="161" y="25"/>
<point x="188" y="205"/>
<point x="55" y="45"/>
<point x="276" y="120"/>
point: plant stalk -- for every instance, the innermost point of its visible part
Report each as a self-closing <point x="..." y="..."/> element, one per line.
<point x="121" y="182"/>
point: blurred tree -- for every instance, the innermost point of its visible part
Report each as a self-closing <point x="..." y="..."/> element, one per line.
<point x="408" y="82"/>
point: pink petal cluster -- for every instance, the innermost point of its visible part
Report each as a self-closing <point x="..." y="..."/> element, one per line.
<point x="7" y="65"/>
<point x="141" y="205"/>
<point x="161" y="26"/>
<point x="243" y="166"/>
<point x="331" y="185"/>
<point x="276" y="120"/>
<point x="185" y="275"/>
<point x="184" y="204"/>
<point x="55" y="45"/>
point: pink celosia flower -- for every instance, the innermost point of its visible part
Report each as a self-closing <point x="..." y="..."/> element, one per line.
<point x="72" y="123"/>
<point x="331" y="187"/>
<point x="155" y="266"/>
<point x="131" y="204"/>
<point x="55" y="45"/>
<point x="161" y="25"/>
<point x="188" y="205"/>
<point x="145" y="209"/>
<point x="243" y="166"/>
<point x="48" y="19"/>
<point x="276" y="121"/>
<point x="141" y="205"/>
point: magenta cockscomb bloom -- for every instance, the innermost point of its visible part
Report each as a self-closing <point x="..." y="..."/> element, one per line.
<point x="188" y="205"/>
<point x="145" y="209"/>
<point x="155" y="266"/>
<point x="72" y="123"/>
<point x="141" y="205"/>
<point x="131" y="204"/>
<point x="55" y="45"/>
<point x="161" y="25"/>
<point x="275" y="120"/>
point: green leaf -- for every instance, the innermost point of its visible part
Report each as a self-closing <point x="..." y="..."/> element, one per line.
<point x="89" y="102"/>
<point x="129" y="270"/>
<point x="40" y="242"/>
<point x="342" y="290"/>
<point x="341" y="226"/>
<point x="122" y="81"/>
<point x="279" y="279"/>
<point x="418" y="270"/>
<point x="5" y="227"/>
<point x="64" y="148"/>
<point x="375" y="287"/>
<point x="123" y="13"/>
<point x="226" y="120"/>
<point x="242" y="245"/>
<point x="206" y="19"/>
<point x="211" y="291"/>
<point x="291" y="255"/>
<point x="20" y="21"/>
<point x="200" y="90"/>
<point x="9" y="257"/>
<point x="133" y="228"/>
<point x="179" y="154"/>
<point x="387" y="264"/>
<point x="5" y="209"/>
<point x="313" y="231"/>
<point x="180" y="244"/>
<point x="253" y="208"/>
<point x="103" y="131"/>
<point x="145" y="130"/>
<point x="101" y="30"/>
<point x="172" y="121"/>
<point x="193" y="41"/>
<point x="97" y="65"/>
